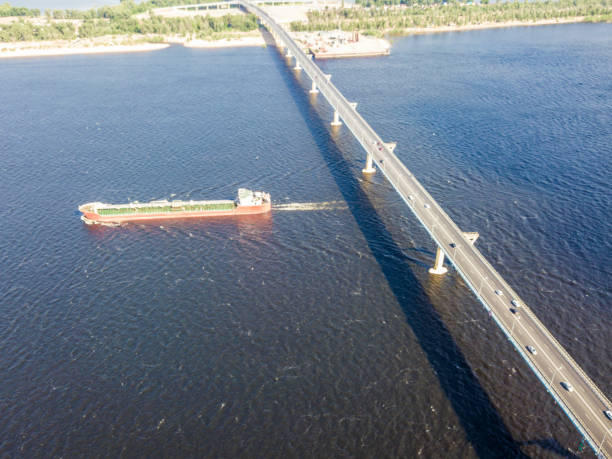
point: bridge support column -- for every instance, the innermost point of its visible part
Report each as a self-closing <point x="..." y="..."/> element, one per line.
<point x="369" y="168"/>
<point x="288" y="54"/>
<point x="438" y="267"/>
<point x="336" y="121"/>
<point x="313" y="89"/>
<point x="297" y="64"/>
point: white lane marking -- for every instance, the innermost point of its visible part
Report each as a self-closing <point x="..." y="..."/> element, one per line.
<point x="587" y="405"/>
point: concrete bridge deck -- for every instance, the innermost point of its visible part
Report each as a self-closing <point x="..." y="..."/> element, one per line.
<point x="585" y="404"/>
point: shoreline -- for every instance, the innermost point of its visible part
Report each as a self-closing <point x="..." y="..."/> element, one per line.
<point x="487" y="25"/>
<point x="119" y="44"/>
<point x="73" y="50"/>
<point x="45" y="48"/>
<point x="250" y="40"/>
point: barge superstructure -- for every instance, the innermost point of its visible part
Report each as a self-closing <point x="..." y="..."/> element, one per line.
<point x="247" y="203"/>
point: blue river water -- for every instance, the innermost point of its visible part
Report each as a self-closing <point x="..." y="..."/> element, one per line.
<point x="315" y="331"/>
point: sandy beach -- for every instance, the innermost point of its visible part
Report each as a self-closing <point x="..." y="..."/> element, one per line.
<point x="489" y="25"/>
<point x="121" y="44"/>
<point x="251" y="40"/>
<point x="42" y="49"/>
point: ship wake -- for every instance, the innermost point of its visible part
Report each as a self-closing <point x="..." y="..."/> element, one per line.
<point x="296" y="206"/>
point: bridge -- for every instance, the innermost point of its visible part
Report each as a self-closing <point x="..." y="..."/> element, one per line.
<point x="224" y="5"/>
<point x="572" y="389"/>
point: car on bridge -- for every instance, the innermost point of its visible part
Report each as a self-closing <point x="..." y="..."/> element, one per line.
<point x="515" y="303"/>
<point x="567" y="386"/>
<point x="608" y="414"/>
<point x="515" y="312"/>
<point x="532" y="350"/>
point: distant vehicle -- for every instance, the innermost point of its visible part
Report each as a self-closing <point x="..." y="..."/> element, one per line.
<point x="515" y="312"/>
<point x="427" y="206"/>
<point x="532" y="350"/>
<point x="499" y="292"/>
<point x="515" y="303"/>
<point x="411" y="197"/>
<point x="453" y="245"/>
<point x="608" y="414"/>
<point x="567" y="386"/>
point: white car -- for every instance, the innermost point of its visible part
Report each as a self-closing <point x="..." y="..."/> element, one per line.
<point x="499" y="292"/>
<point x="411" y="197"/>
<point x="515" y="303"/>
<point x="608" y="414"/>
<point x="532" y="350"/>
<point x="427" y="206"/>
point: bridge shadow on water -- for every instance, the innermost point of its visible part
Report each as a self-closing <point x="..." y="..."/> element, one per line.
<point x="484" y="428"/>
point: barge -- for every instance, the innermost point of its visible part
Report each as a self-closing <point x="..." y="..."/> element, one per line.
<point x="247" y="203"/>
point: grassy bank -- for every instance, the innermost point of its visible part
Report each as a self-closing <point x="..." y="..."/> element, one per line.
<point x="116" y="20"/>
<point x="196" y="26"/>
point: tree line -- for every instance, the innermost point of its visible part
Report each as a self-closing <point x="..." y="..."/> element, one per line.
<point x="396" y="18"/>
<point x="120" y="20"/>
<point x="124" y="10"/>
<point x="7" y="10"/>
<point x="197" y="26"/>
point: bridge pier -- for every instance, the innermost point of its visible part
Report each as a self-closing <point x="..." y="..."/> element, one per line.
<point x="336" y="121"/>
<point x="438" y="267"/>
<point x="369" y="168"/>
<point x="313" y="89"/>
<point x="297" y="64"/>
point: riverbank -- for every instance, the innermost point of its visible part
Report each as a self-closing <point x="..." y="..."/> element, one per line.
<point x="122" y="44"/>
<point x="42" y="49"/>
<point x="449" y="17"/>
<point x="488" y="25"/>
<point x="248" y="39"/>
<point x="126" y="44"/>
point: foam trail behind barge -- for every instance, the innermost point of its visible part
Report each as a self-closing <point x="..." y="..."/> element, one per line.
<point x="303" y="206"/>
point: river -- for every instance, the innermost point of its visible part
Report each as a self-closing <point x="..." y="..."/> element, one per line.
<point x="315" y="331"/>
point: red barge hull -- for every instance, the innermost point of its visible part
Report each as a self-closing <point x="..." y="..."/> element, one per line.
<point x="248" y="203"/>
